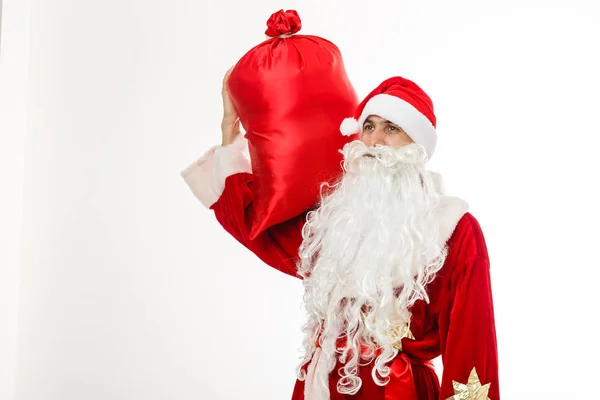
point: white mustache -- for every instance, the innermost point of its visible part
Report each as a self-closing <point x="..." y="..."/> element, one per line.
<point x="410" y="154"/>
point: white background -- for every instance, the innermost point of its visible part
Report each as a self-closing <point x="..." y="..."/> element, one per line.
<point x="122" y="286"/>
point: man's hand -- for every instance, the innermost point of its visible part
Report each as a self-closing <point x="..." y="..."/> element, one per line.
<point x="230" y="126"/>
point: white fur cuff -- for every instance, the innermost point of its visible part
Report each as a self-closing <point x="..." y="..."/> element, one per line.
<point x="206" y="176"/>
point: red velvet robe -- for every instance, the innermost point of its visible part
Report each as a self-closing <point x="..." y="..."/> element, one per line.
<point x="457" y="324"/>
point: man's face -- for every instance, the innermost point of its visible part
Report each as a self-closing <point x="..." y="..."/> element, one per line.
<point x="377" y="130"/>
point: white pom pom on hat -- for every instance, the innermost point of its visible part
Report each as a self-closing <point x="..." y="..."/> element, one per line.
<point x="349" y="127"/>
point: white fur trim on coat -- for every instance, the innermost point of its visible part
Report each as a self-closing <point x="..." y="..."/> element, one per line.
<point x="438" y="182"/>
<point x="450" y="210"/>
<point x="206" y="176"/>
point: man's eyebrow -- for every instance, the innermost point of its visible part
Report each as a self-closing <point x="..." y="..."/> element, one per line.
<point x="385" y="121"/>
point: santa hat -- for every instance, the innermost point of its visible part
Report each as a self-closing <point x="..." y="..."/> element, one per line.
<point x="402" y="102"/>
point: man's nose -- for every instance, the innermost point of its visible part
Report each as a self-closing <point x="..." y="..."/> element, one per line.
<point x="378" y="137"/>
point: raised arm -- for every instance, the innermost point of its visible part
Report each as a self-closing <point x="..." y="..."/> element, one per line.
<point x="222" y="180"/>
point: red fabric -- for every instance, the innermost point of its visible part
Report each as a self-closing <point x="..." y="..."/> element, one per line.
<point x="457" y="324"/>
<point x="402" y="383"/>
<point x="283" y="22"/>
<point x="235" y="210"/>
<point x="291" y="95"/>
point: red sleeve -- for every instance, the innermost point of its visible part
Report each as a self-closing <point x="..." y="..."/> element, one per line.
<point x="467" y="330"/>
<point x="278" y="246"/>
<point x="222" y="180"/>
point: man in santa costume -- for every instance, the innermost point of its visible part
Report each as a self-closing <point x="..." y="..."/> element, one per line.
<point x="396" y="273"/>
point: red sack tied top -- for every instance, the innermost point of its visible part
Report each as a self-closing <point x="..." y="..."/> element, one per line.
<point x="291" y="93"/>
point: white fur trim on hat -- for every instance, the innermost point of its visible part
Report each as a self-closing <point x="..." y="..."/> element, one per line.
<point x="405" y="115"/>
<point x="349" y="127"/>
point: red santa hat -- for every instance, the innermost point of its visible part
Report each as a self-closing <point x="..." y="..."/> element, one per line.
<point x="402" y="102"/>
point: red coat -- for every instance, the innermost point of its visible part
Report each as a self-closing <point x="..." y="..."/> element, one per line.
<point x="457" y="324"/>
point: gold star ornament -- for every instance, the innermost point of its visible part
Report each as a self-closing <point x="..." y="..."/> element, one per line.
<point x="473" y="390"/>
<point x="401" y="333"/>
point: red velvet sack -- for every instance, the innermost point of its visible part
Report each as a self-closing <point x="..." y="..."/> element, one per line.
<point x="291" y="93"/>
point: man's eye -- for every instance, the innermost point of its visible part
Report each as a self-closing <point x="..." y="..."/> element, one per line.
<point x="367" y="127"/>
<point x="393" y="128"/>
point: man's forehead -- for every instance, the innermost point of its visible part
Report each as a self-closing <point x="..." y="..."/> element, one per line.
<point x="376" y="118"/>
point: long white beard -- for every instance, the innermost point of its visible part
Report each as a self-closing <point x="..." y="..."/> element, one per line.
<point x="369" y="250"/>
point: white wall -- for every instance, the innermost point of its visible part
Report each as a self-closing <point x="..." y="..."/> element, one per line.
<point x="131" y="290"/>
<point x="14" y="62"/>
